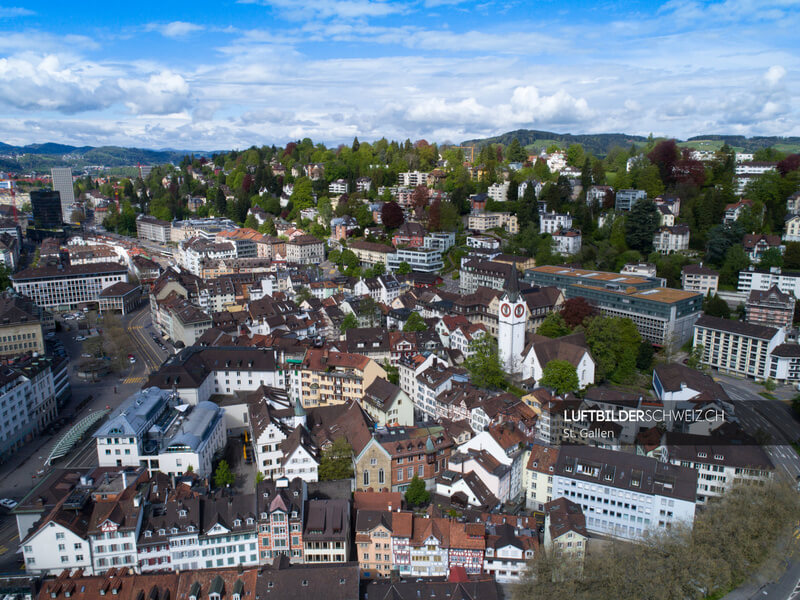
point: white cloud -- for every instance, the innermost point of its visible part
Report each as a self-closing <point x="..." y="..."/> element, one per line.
<point x="774" y="74"/>
<point x="175" y="29"/>
<point x="332" y="9"/>
<point x="7" y="12"/>
<point x="162" y="93"/>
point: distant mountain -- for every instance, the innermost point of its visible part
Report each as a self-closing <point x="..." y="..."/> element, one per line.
<point x="600" y="143"/>
<point x="597" y="143"/>
<point x="44" y="156"/>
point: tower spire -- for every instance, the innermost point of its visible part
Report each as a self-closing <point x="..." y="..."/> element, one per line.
<point x="512" y="283"/>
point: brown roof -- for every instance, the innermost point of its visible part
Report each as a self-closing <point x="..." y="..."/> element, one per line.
<point x="377" y="500"/>
<point x="543" y="458"/>
<point x="565" y="515"/>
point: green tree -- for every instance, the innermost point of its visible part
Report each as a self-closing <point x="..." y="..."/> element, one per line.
<point x="515" y="152"/>
<point x="772" y="257"/>
<point x="614" y="343"/>
<point x="644" y="357"/>
<point x="483" y="364"/>
<point x="716" y="306"/>
<point x="223" y="476"/>
<point x="796" y="404"/>
<point x="791" y="258"/>
<point x="735" y="260"/>
<point x="416" y="494"/>
<point x="5" y="277"/>
<point x="302" y="294"/>
<point x="449" y="217"/>
<point x="415" y="322"/>
<point x="403" y="268"/>
<point x="251" y="222"/>
<point x="561" y="376"/>
<point x="640" y="225"/>
<point x="392" y="373"/>
<point x="554" y="326"/>
<point x="695" y="357"/>
<point x="350" y="321"/>
<point x="259" y="477"/>
<point x="336" y="461"/>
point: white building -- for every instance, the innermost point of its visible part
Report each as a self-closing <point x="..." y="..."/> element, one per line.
<point x="423" y="260"/>
<point x="697" y="278"/>
<point x="512" y="316"/>
<point x="66" y="287"/>
<point x="338" y="187"/>
<point x="755" y="278"/>
<point x="152" y="429"/>
<point x="537" y="187"/>
<point x="624" y="495"/>
<point x="483" y="242"/>
<point x="552" y="222"/>
<point x="668" y="240"/>
<point x="498" y="191"/>
<point x="567" y="242"/>
<point x="412" y="178"/>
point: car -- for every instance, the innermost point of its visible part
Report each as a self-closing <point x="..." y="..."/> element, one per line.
<point x="80" y="338"/>
<point x="8" y="503"/>
<point x="86" y="355"/>
<point x="132" y="359"/>
<point x="50" y="334"/>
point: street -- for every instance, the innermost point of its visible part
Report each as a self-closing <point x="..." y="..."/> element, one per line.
<point x="772" y="417"/>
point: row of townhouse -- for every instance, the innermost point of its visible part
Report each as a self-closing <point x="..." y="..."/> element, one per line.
<point x="127" y="519"/>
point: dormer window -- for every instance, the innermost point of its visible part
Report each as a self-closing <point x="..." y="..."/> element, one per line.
<point x="148" y="533"/>
<point x="190" y="529"/>
<point x="237" y="523"/>
<point x="182" y="512"/>
<point x="249" y="520"/>
<point x="264" y="515"/>
<point x="718" y="457"/>
<point x="174" y="530"/>
<point x="162" y="532"/>
<point x="701" y="455"/>
<point x="294" y="514"/>
<point x="305" y="582"/>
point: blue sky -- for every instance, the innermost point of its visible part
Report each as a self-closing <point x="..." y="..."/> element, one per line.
<point x="228" y="74"/>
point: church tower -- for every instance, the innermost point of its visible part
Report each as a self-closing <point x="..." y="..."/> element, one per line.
<point x="511" y="325"/>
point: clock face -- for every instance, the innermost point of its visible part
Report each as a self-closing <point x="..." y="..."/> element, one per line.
<point x="505" y="310"/>
<point x="519" y="310"/>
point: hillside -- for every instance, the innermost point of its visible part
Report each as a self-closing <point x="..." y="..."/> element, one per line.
<point x="44" y="156"/>
<point x="600" y="143"/>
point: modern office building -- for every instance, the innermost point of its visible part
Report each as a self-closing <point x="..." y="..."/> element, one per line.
<point x="624" y="495"/>
<point x="62" y="183"/>
<point x="150" y="228"/>
<point x="46" y="205"/>
<point x="68" y="287"/>
<point x="662" y="315"/>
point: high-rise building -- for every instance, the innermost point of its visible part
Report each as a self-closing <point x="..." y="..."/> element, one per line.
<point x="62" y="183"/>
<point x="46" y="206"/>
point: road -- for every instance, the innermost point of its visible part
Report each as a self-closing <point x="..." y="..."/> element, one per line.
<point x="773" y="417"/>
<point x="149" y="354"/>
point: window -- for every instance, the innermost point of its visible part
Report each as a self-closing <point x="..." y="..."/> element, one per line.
<point x="59" y="536"/>
<point x="366" y="477"/>
<point x="381" y="476"/>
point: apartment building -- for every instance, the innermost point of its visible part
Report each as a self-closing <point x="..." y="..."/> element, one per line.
<point x="736" y="347"/>
<point x="719" y="466"/>
<point x="180" y="320"/>
<point x="67" y="287"/>
<point x="281" y="511"/>
<point x="700" y="279"/>
<point x="421" y="260"/>
<point x="481" y="222"/>
<point x="326" y="535"/>
<point x="412" y="178"/>
<point x="420" y="452"/>
<point x="324" y="378"/>
<point x="668" y="240"/>
<point x="371" y="253"/>
<point x="624" y="495"/>
<point x="305" y="250"/>
<point x="475" y="273"/>
<point x="565" y="529"/>
<point x="567" y="242"/>
<point x="772" y="308"/>
<point x="756" y="244"/>
<point x="537" y="476"/>
<point x="498" y="191"/>
<point x="20" y="325"/>
<point x="552" y="222"/>
<point x="625" y="200"/>
<point x="150" y="228"/>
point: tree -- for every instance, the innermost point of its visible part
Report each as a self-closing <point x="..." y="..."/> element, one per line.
<point x="716" y="306"/>
<point x="640" y="225"/>
<point x="614" y="343"/>
<point x="416" y="494"/>
<point x="403" y="268"/>
<point x="791" y="258"/>
<point x="736" y="259"/>
<point x="302" y="294"/>
<point x="336" y="461"/>
<point x="554" y="326"/>
<point x="392" y="373"/>
<point x="575" y="311"/>
<point x="259" y="477"/>
<point x="223" y="476"/>
<point x="449" y="217"/>
<point x="796" y="405"/>
<point x="561" y="376"/>
<point x="515" y="152"/>
<point x="483" y="363"/>
<point x="415" y="322"/>
<point x="664" y="156"/>
<point x="251" y="222"/>
<point x="392" y="215"/>
<point x="695" y="357"/>
<point x="5" y="276"/>
<point x="772" y="257"/>
<point x="350" y="321"/>
<point x="644" y="357"/>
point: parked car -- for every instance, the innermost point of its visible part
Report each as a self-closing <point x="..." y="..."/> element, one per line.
<point x="8" y="503"/>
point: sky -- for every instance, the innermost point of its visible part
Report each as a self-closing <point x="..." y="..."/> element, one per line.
<point x="227" y="74"/>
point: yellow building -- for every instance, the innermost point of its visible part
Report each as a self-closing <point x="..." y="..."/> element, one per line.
<point x="326" y="378"/>
<point x="20" y="326"/>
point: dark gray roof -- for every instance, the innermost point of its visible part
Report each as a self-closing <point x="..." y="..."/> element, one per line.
<point x="736" y="327"/>
<point x="308" y="582"/>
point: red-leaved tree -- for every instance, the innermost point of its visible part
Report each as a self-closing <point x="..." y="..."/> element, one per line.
<point x="789" y="164"/>
<point x="575" y="311"/>
<point x="392" y="215"/>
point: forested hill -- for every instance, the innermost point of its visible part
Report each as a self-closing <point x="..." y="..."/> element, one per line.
<point x="44" y="156"/>
<point x="600" y="143"/>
